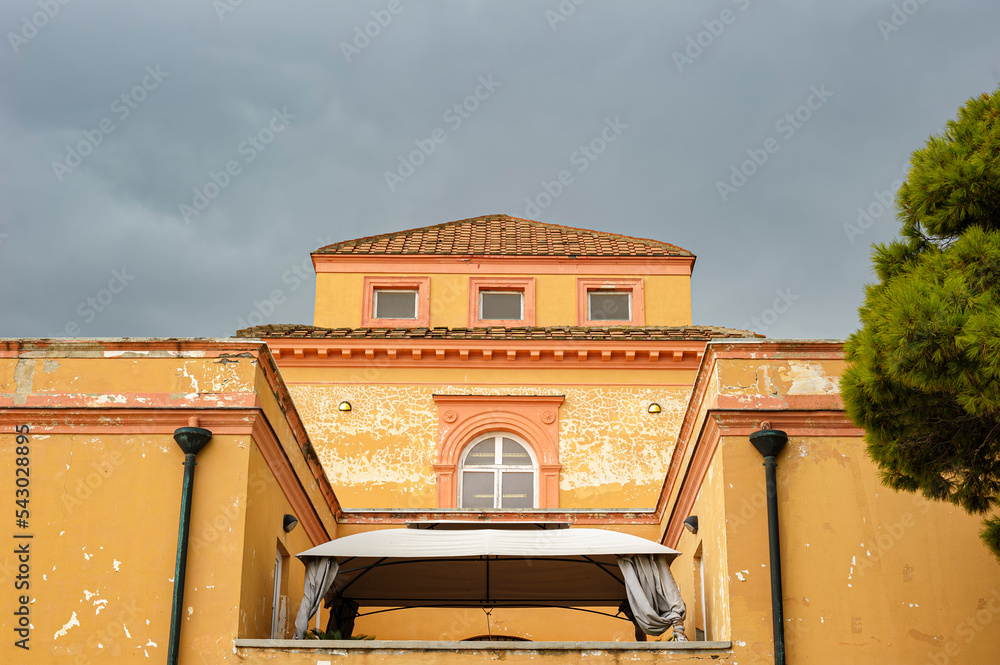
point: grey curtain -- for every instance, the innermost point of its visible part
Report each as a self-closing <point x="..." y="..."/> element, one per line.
<point x="653" y="594"/>
<point x="320" y="572"/>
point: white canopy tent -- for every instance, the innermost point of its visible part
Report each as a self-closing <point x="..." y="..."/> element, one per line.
<point x="495" y="568"/>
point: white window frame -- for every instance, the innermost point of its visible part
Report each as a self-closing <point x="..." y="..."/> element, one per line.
<point x="416" y="304"/>
<point x="590" y="310"/>
<point x="497" y="469"/>
<point x="483" y="292"/>
<point x="276" y="597"/>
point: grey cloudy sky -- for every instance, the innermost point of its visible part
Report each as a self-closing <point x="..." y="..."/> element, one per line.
<point x="113" y="114"/>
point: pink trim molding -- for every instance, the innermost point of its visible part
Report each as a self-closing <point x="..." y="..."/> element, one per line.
<point x="422" y="285"/>
<point x="535" y="418"/>
<point x="586" y="285"/>
<point x="525" y="285"/>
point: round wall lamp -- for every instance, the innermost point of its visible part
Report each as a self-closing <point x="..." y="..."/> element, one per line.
<point x="654" y="408"/>
<point x="345" y="406"/>
<point x="288" y="523"/>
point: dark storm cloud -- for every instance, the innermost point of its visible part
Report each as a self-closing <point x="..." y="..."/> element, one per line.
<point x="284" y="118"/>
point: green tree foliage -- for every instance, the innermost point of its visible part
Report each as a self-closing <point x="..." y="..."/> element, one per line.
<point x="924" y="369"/>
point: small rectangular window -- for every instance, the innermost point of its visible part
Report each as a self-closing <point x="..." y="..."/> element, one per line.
<point x="392" y="304"/>
<point x="609" y="305"/>
<point x="501" y="305"/>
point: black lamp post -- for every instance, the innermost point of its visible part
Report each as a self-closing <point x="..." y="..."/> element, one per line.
<point x="191" y="440"/>
<point x="769" y="443"/>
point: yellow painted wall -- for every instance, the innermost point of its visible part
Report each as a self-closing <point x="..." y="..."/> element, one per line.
<point x="104" y="506"/>
<point x="614" y="454"/>
<point x="104" y="513"/>
<point x="869" y="574"/>
<point x="339" y="298"/>
<point x="266" y="506"/>
<point x="711" y="509"/>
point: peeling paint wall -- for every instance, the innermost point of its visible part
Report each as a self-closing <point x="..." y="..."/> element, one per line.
<point x="869" y="574"/>
<point x="103" y="516"/>
<point x="380" y="454"/>
<point x="104" y="499"/>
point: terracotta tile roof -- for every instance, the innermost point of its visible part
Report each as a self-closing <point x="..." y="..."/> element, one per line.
<point x="502" y="235"/>
<point x="680" y="333"/>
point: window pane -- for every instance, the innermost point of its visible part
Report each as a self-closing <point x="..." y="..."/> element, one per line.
<point x="395" y="304"/>
<point x="610" y="306"/>
<point x="517" y="490"/>
<point x="483" y="452"/>
<point x="514" y="453"/>
<point x="477" y="490"/>
<point x="500" y="305"/>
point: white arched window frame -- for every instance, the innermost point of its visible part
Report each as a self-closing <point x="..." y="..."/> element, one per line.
<point x="501" y="482"/>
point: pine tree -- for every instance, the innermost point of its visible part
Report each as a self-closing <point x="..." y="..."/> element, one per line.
<point x="924" y="368"/>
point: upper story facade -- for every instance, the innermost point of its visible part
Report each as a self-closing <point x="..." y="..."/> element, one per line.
<point x="504" y="271"/>
<point x="495" y="342"/>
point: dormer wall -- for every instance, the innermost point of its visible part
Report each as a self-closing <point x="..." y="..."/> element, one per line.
<point x="448" y="291"/>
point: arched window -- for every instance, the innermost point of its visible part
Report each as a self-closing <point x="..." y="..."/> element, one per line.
<point x="497" y="471"/>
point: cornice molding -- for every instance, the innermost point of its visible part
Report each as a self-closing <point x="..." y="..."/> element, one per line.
<point x="503" y="265"/>
<point x="487" y="353"/>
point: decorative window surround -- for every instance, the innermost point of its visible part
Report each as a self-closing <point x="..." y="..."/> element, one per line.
<point x="534" y="418"/>
<point x="634" y="286"/>
<point x="422" y="285"/>
<point x="524" y="285"/>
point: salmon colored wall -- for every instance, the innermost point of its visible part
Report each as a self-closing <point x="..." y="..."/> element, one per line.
<point x="338" y="298"/>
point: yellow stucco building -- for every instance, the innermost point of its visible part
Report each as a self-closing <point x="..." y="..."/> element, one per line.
<point x="498" y="371"/>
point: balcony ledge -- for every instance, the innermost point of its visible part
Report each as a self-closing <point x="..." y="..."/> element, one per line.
<point x="347" y="646"/>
